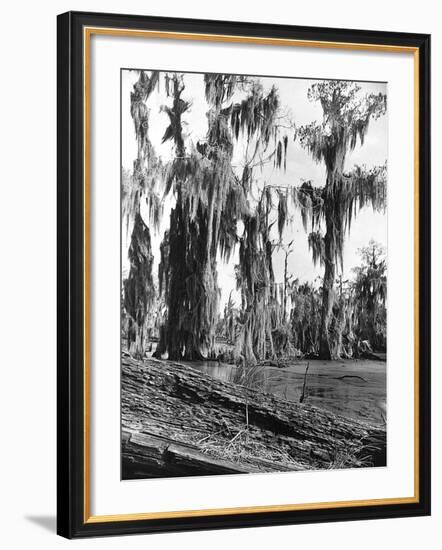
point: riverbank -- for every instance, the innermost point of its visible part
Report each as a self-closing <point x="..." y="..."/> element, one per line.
<point x="179" y="421"/>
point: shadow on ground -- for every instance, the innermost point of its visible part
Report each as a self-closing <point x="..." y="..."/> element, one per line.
<point x="49" y="523"/>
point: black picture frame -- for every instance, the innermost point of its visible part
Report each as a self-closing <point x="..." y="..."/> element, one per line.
<point x="71" y="502"/>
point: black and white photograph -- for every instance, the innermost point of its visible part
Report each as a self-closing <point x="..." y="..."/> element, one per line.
<point x="253" y="274"/>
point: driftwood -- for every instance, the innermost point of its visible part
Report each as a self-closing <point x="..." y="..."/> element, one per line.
<point x="178" y="421"/>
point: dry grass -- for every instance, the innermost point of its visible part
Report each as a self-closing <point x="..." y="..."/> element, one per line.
<point x="242" y="449"/>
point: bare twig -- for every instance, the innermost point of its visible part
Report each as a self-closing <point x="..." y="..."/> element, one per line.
<point x="301" y="399"/>
<point x="234" y="438"/>
<point x="209" y="436"/>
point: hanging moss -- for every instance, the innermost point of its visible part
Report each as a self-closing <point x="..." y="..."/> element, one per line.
<point x="317" y="247"/>
<point x="358" y="318"/>
<point x="255" y="340"/>
<point x="138" y="288"/>
<point x="346" y="119"/>
<point x="370" y="289"/>
<point x="139" y="291"/>
<point x="282" y="212"/>
<point x="305" y="317"/>
<point x="205" y="186"/>
<point x="210" y="200"/>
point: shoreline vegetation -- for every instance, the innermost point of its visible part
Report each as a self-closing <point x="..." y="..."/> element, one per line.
<point x="177" y="421"/>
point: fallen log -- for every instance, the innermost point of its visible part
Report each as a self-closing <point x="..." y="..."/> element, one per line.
<point x="178" y="421"/>
<point x="146" y="455"/>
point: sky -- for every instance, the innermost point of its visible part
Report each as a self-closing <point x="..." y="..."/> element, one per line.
<point x="300" y="166"/>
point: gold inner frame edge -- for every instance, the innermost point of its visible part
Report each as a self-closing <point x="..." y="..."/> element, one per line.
<point x="134" y="33"/>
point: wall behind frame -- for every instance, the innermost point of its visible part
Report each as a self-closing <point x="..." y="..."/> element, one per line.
<point x="28" y="278"/>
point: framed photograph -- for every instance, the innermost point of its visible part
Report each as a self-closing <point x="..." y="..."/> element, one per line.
<point x="243" y="274"/>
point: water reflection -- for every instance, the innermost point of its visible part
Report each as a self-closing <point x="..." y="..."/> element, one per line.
<point x="266" y="379"/>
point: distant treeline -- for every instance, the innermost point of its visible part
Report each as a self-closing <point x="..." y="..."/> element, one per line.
<point x="359" y="317"/>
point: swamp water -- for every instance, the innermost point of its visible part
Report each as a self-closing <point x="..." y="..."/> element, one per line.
<point x="352" y="388"/>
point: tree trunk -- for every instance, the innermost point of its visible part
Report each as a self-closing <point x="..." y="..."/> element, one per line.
<point x="284" y="306"/>
<point x="328" y="294"/>
<point x="333" y="221"/>
<point x="189" y="324"/>
<point x="162" y="343"/>
<point x="138" y="345"/>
